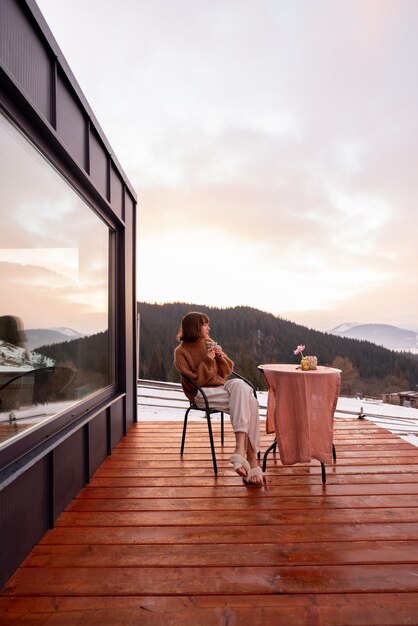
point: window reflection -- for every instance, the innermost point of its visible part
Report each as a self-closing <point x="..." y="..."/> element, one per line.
<point x="55" y="347"/>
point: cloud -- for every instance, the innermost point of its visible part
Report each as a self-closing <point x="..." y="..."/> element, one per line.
<point x="274" y="141"/>
<point x="43" y="298"/>
<point x="54" y="251"/>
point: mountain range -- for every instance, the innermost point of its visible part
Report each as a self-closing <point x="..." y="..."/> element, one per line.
<point x="48" y="336"/>
<point x="386" y="335"/>
<point x="250" y="337"/>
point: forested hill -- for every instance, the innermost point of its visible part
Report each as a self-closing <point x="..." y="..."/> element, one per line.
<point x="251" y="337"/>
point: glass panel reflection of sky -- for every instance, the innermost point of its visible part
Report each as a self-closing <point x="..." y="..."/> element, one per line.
<point x="46" y="228"/>
<point x="54" y="288"/>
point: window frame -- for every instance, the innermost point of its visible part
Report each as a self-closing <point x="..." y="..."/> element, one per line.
<point x="57" y="158"/>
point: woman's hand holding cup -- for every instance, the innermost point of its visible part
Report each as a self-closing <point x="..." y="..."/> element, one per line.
<point x="210" y="345"/>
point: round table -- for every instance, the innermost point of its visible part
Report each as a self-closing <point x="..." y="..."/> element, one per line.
<point x="300" y="410"/>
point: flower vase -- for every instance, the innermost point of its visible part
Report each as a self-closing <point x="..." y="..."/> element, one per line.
<point x="304" y="364"/>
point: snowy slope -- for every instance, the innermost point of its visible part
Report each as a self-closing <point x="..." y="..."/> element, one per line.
<point x="16" y="359"/>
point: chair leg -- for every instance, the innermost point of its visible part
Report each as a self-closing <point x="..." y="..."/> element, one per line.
<point x="222" y="428"/>
<point x="271" y="448"/>
<point x="183" y="439"/>
<point x="324" y="476"/>
<point x="212" y="446"/>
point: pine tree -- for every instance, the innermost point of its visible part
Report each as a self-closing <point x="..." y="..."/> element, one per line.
<point x="156" y="369"/>
<point x="349" y="376"/>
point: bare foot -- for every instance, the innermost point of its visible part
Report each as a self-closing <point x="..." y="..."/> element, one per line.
<point x="255" y="480"/>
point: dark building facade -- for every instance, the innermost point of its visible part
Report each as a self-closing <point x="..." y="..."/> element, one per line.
<point x="67" y="286"/>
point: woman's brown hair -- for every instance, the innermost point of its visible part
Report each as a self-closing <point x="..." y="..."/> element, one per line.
<point x="191" y="325"/>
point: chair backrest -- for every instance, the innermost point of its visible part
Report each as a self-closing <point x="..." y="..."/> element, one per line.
<point x="37" y="386"/>
<point x="236" y="375"/>
<point x="196" y="387"/>
<point x="51" y="383"/>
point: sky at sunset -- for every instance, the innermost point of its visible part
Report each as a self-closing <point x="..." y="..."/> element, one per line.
<point x="273" y="145"/>
<point x="55" y="269"/>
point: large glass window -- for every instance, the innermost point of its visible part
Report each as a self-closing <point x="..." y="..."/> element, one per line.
<point x="55" y="344"/>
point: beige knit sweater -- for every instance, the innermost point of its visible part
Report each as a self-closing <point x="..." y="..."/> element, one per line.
<point x="191" y="358"/>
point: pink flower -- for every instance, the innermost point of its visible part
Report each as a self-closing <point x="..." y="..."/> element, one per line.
<point x="299" y="350"/>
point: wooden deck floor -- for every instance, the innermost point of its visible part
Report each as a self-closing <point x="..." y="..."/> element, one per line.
<point x="154" y="539"/>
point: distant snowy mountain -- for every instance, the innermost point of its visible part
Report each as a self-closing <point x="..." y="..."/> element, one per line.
<point x="47" y="336"/>
<point x="342" y="328"/>
<point x="67" y="331"/>
<point x="391" y="337"/>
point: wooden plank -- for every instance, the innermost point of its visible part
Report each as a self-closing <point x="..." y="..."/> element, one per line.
<point x="52" y="581"/>
<point x="187" y="464"/>
<point x="273" y="469"/>
<point x="373" y="609"/>
<point x="119" y="478"/>
<point x="409" y="451"/>
<point x="242" y="534"/>
<point x="116" y="490"/>
<point x="153" y="441"/>
<point x="150" y="446"/>
<point x="252" y="503"/>
<point x="244" y="518"/>
<point x="224" y="554"/>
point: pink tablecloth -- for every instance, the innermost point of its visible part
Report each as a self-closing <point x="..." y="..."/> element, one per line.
<point x="300" y="410"/>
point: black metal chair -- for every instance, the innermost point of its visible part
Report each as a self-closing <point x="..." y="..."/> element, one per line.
<point x="208" y="410"/>
<point x="36" y="386"/>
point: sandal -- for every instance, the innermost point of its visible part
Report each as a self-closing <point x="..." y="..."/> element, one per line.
<point x="239" y="462"/>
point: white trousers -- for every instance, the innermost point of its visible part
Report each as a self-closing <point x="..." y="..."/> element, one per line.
<point x="236" y="398"/>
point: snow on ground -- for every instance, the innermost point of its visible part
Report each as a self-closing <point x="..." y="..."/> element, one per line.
<point x="167" y="402"/>
<point x="159" y="401"/>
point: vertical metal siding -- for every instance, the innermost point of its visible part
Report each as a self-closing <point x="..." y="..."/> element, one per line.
<point x="116" y="423"/>
<point x="98" y="164"/>
<point x="24" y="516"/>
<point x="71" y="122"/>
<point x="116" y="192"/>
<point x="98" y="444"/>
<point x="24" y="56"/>
<point x="130" y="346"/>
<point x="69" y="470"/>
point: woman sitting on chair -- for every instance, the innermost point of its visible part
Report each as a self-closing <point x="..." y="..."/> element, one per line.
<point x="202" y="360"/>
